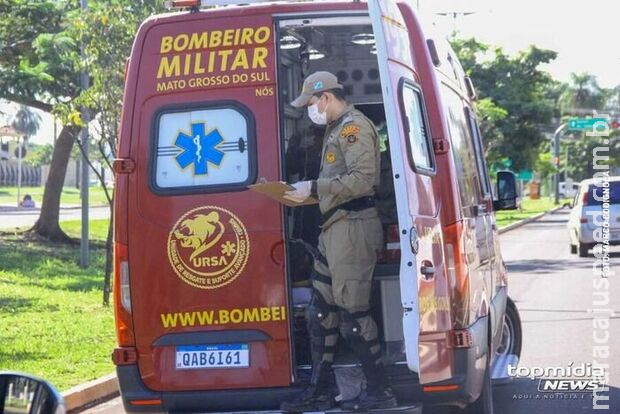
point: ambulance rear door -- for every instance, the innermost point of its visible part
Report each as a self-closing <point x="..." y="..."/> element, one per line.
<point x="413" y="167"/>
<point x="208" y="286"/>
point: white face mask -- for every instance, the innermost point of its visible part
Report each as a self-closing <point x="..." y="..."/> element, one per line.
<point x="319" y="118"/>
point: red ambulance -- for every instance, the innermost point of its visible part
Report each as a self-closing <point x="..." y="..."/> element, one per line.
<point x="211" y="278"/>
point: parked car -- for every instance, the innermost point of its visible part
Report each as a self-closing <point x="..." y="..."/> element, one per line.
<point x="586" y="216"/>
<point x="568" y="189"/>
<point x="209" y="312"/>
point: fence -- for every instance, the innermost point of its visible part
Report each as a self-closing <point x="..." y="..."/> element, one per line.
<point x="31" y="176"/>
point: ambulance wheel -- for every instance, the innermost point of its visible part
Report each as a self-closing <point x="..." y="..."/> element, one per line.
<point x="583" y="249"/>
<point x="510" y="342"/>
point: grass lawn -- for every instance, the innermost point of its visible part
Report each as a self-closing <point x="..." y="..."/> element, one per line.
<point x="528" y="208"/>
<point x="97" y="230"/>
<point x="70" y="196"/>
<point x="52" y="322"/>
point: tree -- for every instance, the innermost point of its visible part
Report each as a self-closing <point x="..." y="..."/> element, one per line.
<point x="26" y="121"/>
<point x="40" y="65"/>
<point x="39" y="155"/>
<point x="36" y="70"/>
<point x="106" y="32"/>
<point x="582" y="95"/>
<point x="519" y="94"/>
<point x="579" y="154"/>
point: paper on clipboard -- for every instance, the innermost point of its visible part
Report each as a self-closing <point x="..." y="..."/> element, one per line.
<point x="276" y="189"/>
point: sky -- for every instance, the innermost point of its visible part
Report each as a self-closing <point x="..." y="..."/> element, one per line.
<point x="586" y="35"/>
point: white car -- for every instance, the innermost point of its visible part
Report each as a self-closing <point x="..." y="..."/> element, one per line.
<point x="586" y="215"/>
<point x="568" y="189"/>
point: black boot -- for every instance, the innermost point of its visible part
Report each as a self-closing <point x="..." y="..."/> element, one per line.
<point x="318" y="396"/>
<point x="371" y="399"/>
<point x="377" y="395"/>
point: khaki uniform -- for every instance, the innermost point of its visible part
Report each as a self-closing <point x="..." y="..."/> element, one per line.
<point x="348" y="240"/>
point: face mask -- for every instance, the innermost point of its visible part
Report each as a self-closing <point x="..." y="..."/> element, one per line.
<point x="319" y="118"/>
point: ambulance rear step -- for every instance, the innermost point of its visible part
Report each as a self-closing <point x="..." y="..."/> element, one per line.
<point x="405" y="409"/>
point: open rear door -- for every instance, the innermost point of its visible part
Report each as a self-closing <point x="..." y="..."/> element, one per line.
<point x="413" y="168"/>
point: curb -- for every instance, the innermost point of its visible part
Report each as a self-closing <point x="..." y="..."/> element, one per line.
<point x="528" y="220"/>
<point x="91" y="393"/>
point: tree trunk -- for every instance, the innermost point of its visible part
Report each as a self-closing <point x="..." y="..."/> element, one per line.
<point x="47" y="225"/>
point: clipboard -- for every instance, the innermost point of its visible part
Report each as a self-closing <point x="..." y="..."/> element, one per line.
<point x="276" y="189"/>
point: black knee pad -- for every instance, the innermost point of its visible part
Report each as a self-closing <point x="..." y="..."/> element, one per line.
<point x="316" y="312"/>
<point x="350" y="328"/>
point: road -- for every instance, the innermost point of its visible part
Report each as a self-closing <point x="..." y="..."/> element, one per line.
<point x="552" y="290"/>
<point x="12" y="217"/>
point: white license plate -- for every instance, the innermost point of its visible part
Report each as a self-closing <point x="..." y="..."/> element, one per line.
<point x="213" y="356"/>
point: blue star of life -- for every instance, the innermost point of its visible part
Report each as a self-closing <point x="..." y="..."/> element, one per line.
<point x="199" y="149"/>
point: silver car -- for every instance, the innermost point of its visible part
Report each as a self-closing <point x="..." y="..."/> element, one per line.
<point x="587" y="217"/>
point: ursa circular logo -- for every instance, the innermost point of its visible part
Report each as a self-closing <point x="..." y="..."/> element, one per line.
<point x="208" y="247"/>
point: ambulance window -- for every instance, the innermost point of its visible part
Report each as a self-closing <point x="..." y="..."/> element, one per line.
<point x="485" y="186"/>
<point x="463" y="152"/>
<point x="203" y="149"/>
<point x="416" y="128"/>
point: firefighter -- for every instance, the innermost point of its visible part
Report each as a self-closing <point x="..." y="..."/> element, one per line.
<point x="351" y="233"/>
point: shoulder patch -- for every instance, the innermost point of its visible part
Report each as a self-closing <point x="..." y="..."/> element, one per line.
<point x="348" y="130"/>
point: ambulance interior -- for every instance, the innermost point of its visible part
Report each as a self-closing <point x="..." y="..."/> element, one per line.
<point x="347" y="49"/>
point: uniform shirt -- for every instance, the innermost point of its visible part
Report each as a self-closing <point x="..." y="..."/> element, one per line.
<point x="349" y="160"/>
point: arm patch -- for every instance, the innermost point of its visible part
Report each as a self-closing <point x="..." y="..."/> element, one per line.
<point x="349" y="130"/>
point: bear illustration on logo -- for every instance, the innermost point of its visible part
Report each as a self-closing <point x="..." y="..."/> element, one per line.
<point x="208" y="247"/>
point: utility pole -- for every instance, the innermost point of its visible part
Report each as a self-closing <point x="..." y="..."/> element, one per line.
<point x="454" y="15"/>
<point x="84" y="187"/>
<point x="19" y="169"/>
<point x="556" y="161"/>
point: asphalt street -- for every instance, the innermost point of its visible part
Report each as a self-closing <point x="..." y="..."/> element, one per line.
<point x="553" y="290"/>
<point x="14" y="218"/>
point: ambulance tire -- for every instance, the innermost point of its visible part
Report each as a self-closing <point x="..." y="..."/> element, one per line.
<point x="583" y="249"/>
<point x="513" y="325"/>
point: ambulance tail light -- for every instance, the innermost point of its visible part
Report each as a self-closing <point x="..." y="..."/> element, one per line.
<point x="122" y="296"/>
<point x="584" y="198"/>
<point x="458" y="273"/>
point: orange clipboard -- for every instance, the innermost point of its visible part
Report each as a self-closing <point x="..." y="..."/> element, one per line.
<point x="276" y="189"/>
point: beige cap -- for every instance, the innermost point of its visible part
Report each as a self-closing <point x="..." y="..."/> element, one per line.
<point x="315" y="83"/>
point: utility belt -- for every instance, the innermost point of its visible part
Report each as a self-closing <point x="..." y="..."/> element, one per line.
<point x="357" y="204"/>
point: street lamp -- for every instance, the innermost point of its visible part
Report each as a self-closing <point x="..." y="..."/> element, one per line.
<point x="85" y="172"/>
<point x="556" y="159"/>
